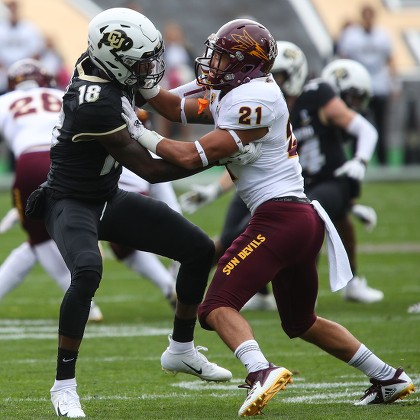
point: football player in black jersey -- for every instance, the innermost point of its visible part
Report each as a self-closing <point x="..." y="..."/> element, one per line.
<point x="83" y="203"/>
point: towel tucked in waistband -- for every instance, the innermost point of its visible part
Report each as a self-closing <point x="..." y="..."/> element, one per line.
<point x="338" y="262"/>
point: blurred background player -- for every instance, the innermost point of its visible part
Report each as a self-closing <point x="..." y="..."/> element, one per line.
<point x="27" y="114"/>
<point x="325" y="116"/>
<point x="329" y="178"/>
<point x="20" y="39"/>
<point x="371" y="45"/>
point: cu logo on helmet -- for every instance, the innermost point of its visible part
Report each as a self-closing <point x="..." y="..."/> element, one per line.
<point x="290" y="54"/>
<point x="117" y="40"/>
<point x="341" y="74"/>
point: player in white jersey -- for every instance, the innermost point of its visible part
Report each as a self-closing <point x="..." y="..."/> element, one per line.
<point x="27" y="114"/>
<point x="285" y="233"/>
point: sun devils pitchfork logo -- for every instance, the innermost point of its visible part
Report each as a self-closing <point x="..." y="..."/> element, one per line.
<point x="116" y="40"/>
<point x="248" y="44"/>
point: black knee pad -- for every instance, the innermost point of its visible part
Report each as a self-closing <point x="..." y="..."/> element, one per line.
<point x="86" y="283"/>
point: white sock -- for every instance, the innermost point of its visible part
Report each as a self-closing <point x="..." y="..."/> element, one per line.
<point x="64" y="383"/>
<point x="149" y="266"/>
<point x="371" y="365"/>
<point x="16" y="267"/>
<point x="52" y="262"/>
<point x="175" y="347"/>
<point x="250" y="355"/>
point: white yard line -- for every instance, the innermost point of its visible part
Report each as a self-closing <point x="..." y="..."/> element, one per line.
<point x="345" y="392"/>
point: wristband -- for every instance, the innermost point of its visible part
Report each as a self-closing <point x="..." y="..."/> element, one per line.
<point x="361" y="160"/>
<point x="150" y="93"/>
<point x="201" y="153"/>
<point x="238" y="141"/>
<point x="183" y="116"/>
<point x="150" y="139"/>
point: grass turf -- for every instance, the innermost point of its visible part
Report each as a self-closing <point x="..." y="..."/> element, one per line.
<point x="119" y="375"/>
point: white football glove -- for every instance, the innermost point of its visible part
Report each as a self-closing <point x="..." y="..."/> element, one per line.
<point x="8" y="221"/>
<point x="250" y="154"/>
<point x="354" y="168"/>
<point x="199" y="196"/>
<point x="367" y="215"/>
<point x="134" y="125"/>
<point x="147" y="138"/>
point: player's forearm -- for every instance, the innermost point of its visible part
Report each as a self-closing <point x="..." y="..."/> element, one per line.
<point x="367" y="137"/>
<point x="167" y="105"/>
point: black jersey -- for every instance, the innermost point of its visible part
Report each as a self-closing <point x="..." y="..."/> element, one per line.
<point x="80" y="166"/>
<point x="320" y="147"/>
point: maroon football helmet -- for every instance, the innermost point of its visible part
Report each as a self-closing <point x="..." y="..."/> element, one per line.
<point x="241" y="50"/>
<point x="27" y="73"/>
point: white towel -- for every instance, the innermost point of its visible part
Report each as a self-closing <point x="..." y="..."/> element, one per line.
<point x="338" y="261"/>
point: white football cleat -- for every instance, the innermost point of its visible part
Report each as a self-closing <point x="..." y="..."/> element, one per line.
<point x="194" y="363"/>
<point x="262" y="386"/>
<point x="367" y="215"/>
<point x="414" y="309"/>
<point x="357" y="290"/>
<point x="386" y="392"/>
<point x="260" y="302"/>
<point x="66" y="402"/>
<point x="95" y="314"/>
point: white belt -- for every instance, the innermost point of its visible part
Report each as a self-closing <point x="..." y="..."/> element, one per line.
<point x="338" y="261"/>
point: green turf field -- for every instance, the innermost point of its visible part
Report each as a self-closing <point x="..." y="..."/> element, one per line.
<point x="119" y="374"/>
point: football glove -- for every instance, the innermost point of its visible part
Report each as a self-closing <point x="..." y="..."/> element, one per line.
<point x="134" y="125"/>
<point x="250" y="154"/>
<point x="199" y="196"/>
<point x="367" y="215"/>
<point x="147" y="138"/>
<point x="354" y="168"/>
